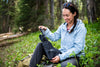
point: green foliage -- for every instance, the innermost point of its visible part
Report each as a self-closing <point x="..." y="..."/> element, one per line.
<point x="12" y="54"/>
<point x="58" y="65"/>
<point x="72" y="54"/>
<point x="92" y="46"/>
<point x="40" y="65"/>
<point x="30" y="14"/>
<point x="98" y="19"/>
<point x="70" y="65"/>
<point x="23" y="15"/>
<point x="7" y="10"/>
<point x="15" y="52"/>
<point x="85" y="21"/>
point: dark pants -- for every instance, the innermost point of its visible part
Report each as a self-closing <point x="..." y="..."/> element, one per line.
<point x="39" y="52"/>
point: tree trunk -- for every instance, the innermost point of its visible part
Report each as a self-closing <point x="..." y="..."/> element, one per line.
<point x="5" y="17"/>
<point x="83" y="11"/>
<point x="39" y="15"/>
<point x="46" y="13"/>
<point x="7" y="22"/>
<point x="43" y="11"/>
<point x="6" y="37"/>
<point x="59" y="11"/>
<point x="7" y="43"/>
<point x="97" y="8"/>
<point x="91" y="11"/>
<point x="52" y="13"/>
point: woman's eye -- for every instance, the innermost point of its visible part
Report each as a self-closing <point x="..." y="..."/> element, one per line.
<point x="67" y="15"/>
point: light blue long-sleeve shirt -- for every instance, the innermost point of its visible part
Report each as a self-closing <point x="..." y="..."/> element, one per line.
<point x="70" y="42"/>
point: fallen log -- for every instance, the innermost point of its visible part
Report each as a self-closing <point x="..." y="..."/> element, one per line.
<point x="7" y="43"/>
<point x="12" y="36"/>
<point x="3" y="34"/>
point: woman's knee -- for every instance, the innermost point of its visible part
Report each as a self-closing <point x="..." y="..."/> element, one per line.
<point x="39" y="44"/>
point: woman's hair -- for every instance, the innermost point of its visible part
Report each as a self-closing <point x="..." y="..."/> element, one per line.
<point x="72" y="9"/>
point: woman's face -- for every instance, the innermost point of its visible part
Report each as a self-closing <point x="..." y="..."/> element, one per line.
<point x="68" y="16"/>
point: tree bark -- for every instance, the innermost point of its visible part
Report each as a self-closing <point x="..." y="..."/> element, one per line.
<point x="46" y="13"/>
<point x="59" y="11"/>
<point x="52" y="13"/>
<point x="12" y="36"/>
<point x="3" y="34"/>
<point x="91" y="12"/>
<point x="83" y="11"/>
<point x="5" y="17"/>
<point x="97" y="8"/>
<point x="6" y="43"/>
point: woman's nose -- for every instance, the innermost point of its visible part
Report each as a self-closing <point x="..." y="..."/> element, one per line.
<point x="65" y="17"/>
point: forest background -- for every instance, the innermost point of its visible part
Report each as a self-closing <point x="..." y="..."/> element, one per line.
<point x="26" y="15"/>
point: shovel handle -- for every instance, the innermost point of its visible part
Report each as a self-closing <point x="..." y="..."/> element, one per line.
<point x="42" y="31"/>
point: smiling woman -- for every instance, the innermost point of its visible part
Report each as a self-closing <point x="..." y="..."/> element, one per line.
<point x="68" y="17"/>
<point x="70" y="14"/>
<point x="72" y="34"/>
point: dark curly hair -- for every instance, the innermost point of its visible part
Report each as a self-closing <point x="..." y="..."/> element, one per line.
<point x="72" y="9"/>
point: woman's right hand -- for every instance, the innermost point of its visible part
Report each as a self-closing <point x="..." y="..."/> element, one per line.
<point x="43" y="27"/>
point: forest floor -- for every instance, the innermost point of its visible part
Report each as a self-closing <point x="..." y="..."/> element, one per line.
<point x="12" y="54"/>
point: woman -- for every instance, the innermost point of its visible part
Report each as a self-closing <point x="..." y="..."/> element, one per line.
<point x="72" y="34"/>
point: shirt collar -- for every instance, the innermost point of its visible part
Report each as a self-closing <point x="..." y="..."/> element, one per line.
<point x="65" y="28"/>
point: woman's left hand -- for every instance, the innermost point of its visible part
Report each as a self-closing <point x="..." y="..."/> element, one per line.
<point x="56" y="59"/>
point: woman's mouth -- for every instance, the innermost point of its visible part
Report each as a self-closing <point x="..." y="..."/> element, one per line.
<point x="66" y="20"/>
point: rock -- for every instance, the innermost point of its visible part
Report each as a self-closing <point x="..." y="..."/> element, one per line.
<point x="26" y="61"/>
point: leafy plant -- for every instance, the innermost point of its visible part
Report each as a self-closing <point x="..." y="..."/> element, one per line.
<point x="58" y="65"/>
<point x="70" y="65"/>
<point x="15" y="52"/>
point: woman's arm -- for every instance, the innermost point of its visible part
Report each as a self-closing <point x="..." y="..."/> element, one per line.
<point x="52" y="36"/>
<point x="78" y="46"/>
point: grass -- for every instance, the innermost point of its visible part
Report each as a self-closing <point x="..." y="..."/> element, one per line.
<point x="15" y="52"/>
<point x="10" y="55"/>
